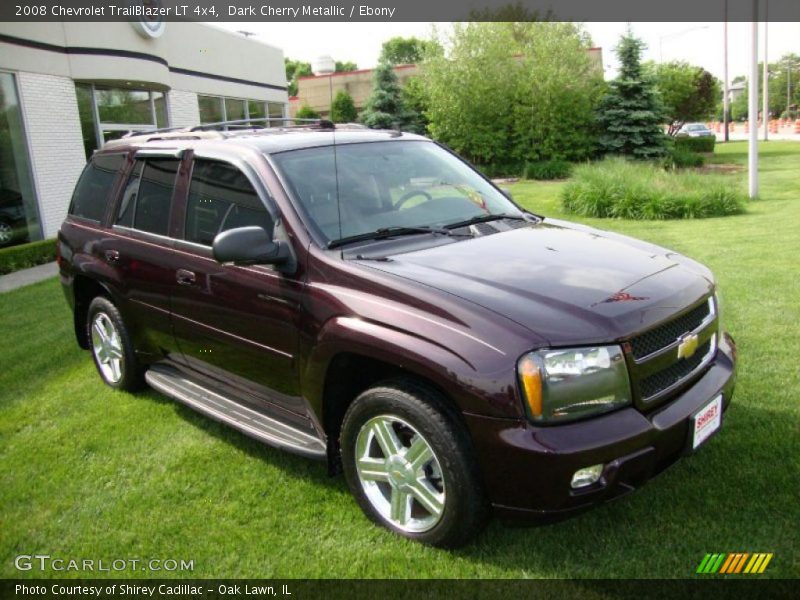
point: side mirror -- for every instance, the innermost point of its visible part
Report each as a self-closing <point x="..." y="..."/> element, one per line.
<point x="248" y="246"/>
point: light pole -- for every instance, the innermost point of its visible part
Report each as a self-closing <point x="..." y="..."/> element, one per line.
<point x="725" y="101"/>
<point x="765" y="76"/>
<point x="752" y="146"/>
<point x="325" y="65"/>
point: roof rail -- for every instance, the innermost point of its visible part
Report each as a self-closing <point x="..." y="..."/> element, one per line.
<point x="249" y="123"/>
<point x="135" y="132"/>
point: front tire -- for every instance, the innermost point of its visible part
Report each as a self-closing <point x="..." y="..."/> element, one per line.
<point x="409" y="463"/>
<point x="111" y="346"/>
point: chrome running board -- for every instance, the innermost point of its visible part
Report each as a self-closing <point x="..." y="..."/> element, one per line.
<point x="177" y="385"/>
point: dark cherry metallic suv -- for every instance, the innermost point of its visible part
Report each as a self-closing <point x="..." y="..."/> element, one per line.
<point x="368" y="299"/>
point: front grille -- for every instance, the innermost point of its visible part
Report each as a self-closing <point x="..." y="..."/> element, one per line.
<point x="666" y="334"/>
<point x="658" y="382"/>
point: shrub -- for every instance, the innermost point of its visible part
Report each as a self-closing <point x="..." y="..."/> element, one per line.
<point x="499" y="169"/>
<point x="27" y="255"/>
<point x="547" y="169"/>
<point x="306" y="112"/>
<point x="343" y="109"/>
<point x="681" y="158"/>
<point x="619" y="188"/>
<point x="696" y="144"/>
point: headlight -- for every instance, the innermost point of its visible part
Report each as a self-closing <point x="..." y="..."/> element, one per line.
<point x="567" y="384"/>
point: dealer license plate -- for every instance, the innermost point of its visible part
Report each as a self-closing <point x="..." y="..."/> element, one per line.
<point x="706" y="421"/>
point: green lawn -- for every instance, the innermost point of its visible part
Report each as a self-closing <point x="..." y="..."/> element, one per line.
<point x="89" y="472"/>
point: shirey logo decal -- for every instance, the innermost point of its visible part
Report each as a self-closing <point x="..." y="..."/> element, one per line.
<point x="734" y="562"/>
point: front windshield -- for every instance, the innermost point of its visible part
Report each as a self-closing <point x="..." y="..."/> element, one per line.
<point x="383" y="185"/>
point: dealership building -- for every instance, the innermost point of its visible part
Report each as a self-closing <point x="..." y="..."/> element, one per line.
<point x="66" y="88"/>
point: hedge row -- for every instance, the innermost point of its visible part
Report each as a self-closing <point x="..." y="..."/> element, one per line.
<point x="23" y="256"/>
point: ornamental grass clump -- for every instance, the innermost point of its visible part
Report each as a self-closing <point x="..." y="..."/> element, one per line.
<point x="618" y="188"/>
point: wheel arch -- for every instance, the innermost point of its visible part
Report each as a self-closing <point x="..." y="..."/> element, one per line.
<point x="353" y="355"/>
<point x="85" y="289"/>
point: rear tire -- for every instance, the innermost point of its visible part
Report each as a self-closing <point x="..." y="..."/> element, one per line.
<point x="111" y="346"/>
<point x="410" y="465"/>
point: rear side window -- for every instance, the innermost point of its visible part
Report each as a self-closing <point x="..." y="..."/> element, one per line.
<point x="147" y="199"/>
<point x="92" y="191"/>
<point x="221" y="198"/>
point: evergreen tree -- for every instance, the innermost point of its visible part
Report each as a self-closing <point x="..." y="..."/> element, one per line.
<point x="343" y="109"/>
<point x="385" y="108"/>
<point x="630" y="114"/>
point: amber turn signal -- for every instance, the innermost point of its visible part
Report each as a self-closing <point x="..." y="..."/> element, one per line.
<point x="531" y="379"/>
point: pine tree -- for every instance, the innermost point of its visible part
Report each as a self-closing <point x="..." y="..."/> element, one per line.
<point x="385" y="108"/>
<point x="630" y="113"/>
<point x="343" y="109"/>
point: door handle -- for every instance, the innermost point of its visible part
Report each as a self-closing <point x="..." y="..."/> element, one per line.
<point x="112" y="256"/>
<point x="184" y="277"/>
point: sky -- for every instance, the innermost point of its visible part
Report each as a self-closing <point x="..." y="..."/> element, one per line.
<point x="697" y="43"/>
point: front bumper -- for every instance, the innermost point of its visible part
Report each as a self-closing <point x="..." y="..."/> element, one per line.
<point x="527" y="469"/>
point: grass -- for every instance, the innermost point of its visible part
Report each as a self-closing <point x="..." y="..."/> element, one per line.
<point x="621" y="188"/>
<point x="89" y="472"/>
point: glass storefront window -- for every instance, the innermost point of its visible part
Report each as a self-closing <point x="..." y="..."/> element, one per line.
<point x="256" y="109"/>
<point x="275" y="111"/>
<point x="86" y="115"/>
<point x="124" y="106"/>
<point x="235" y="109"/>
<point x="211" y="109"/>
<point x="108" y="113"/>
<point x="214" y="109"/>
<point x="160" y="102"/>
<point x="19" y="220"/>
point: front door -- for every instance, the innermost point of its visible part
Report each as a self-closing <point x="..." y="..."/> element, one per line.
<point x="235" y="324"/>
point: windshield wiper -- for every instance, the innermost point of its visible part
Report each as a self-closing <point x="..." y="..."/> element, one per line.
<point x="387" y="232"/>
<point x="484" y="219"/>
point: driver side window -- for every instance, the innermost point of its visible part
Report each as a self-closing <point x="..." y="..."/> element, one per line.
<point x="221" y="198"/>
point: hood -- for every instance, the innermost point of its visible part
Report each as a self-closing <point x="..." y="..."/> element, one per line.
<point x="567" y="284"/>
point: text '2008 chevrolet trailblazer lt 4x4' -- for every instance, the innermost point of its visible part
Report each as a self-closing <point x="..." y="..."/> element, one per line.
<point x="368" y="299"/>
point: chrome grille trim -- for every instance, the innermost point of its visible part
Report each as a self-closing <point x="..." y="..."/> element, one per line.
<point x="667" y="358"/>
<point x="712" y="315"/>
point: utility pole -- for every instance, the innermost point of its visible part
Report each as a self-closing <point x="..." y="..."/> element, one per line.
<point x="752" y="109"/>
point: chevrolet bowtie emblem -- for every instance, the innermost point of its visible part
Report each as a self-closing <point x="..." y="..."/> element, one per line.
<point x="687" y="345"/>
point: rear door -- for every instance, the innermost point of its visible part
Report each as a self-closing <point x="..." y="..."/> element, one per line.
<point x="236" y="324"/>
<point x="142" y="251"/>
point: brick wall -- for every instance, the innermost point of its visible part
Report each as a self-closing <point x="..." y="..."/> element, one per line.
<point x="50" y="110"/>
<point x="183" y="108"/>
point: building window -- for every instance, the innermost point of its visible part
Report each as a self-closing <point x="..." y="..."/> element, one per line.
<point x="214" y="109"/>
<point x="108" y="113"/>
<point x="19" y="220"/>
<point x="211" y="109"/>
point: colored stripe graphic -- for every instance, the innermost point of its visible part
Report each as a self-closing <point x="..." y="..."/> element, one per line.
<point x="701" y="568"/>
<point x="734" y="562"/>
<point x="765" y="563"/>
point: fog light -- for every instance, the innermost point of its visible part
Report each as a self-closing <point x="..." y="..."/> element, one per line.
<point x="586" y="476"/>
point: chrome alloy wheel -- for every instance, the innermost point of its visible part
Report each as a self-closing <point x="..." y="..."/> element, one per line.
<point x="400" y="474"/>
<point x="6" y="233"/>
<point x="107" y="347"/>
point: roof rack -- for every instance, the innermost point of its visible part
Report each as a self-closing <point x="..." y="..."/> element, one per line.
<point x="249" y="124"/>
<point x="135" y="132"/>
